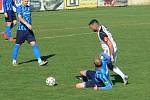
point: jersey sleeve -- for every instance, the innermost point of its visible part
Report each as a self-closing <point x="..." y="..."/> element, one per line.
<point x="4" y="6"/>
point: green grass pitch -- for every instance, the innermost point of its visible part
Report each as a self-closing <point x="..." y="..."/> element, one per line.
<point x="64" y="38"/>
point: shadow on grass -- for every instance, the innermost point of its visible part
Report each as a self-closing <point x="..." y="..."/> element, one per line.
<point x="117" y="79"/>
<point x="43" y="58"/>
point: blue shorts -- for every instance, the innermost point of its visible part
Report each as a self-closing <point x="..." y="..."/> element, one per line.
<point x="11" y="16"/>
<point x="23" y="35"/>
<point x="91" y="83"/>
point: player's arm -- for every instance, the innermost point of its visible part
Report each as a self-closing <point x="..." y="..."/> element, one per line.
<point x="107" y="87"/>
<point x="24" y="22"/>
<point x="105" y="57"/>
<point x="5" y="8"/>
<point x="110" y="45"/>
<point x="14" y="4"/>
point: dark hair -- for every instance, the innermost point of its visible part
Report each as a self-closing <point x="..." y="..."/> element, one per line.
<point x="93" y="21"/>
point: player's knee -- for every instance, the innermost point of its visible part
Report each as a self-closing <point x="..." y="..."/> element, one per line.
<point x="14" y="22"/>
<point x="8" y="23"/>
<point x="32" y="43"/>
<point x="83" y="72"/>
<point x="80" y="85"/>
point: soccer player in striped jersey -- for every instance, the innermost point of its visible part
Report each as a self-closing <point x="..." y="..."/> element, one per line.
<point x="98" y="79"/>
<point x="24" y="32"/>
<point x="10" y="19"/>
<point x="108" y="45"/>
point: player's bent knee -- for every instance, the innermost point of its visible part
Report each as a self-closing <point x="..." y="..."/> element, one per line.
<point x="14" y="22"/>
<point x="8" y="23"/>
<point x="80" y="85"/>
<point x="83" y="73"/>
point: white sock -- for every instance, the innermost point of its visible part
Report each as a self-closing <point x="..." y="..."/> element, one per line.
<point x="14" y="61"/>
<point x="118" y="71"/>
<point x="39" y="60"/>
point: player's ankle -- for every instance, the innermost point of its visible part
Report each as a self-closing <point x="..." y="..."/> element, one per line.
<point x="39" y="60"/>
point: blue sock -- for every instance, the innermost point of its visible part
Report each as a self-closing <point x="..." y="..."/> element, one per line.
<point x="36" y="52"/>
<point x="15" y="51"/>
<point x="8" y="31"/>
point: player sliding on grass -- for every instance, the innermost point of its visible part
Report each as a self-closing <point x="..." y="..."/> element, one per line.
<point x="24" y="32"/>
<point x="108" y="45"/>
<point x="10" y="19"/>
<point x="98" y="79"/>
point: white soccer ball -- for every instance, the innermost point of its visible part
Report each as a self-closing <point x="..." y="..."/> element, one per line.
<point x="50" y="81"/>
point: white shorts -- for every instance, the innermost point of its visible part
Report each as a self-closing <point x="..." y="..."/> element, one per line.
<point x="106" y="50"/>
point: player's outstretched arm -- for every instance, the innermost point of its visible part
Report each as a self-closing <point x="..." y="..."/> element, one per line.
<point x="107" y="87"/>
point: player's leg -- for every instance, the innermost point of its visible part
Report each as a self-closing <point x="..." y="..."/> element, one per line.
<point x="113" y="66"/>
<point x="9" y="21"/>
<point x="15" y="53"/>
<point x="19" y="40"/>
<point x="116" y="69"/>
<point x="31" y="39"/>
<point x="14" y="22"/>
<point x="88" y="84"/>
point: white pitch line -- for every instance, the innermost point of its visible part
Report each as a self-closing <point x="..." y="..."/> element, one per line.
<point x="62" y="36"/>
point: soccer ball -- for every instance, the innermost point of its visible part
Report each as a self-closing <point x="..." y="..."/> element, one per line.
<point x="50" y="81"/>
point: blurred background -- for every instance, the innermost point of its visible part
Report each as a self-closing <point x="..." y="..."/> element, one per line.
<point x="39" y="5"/>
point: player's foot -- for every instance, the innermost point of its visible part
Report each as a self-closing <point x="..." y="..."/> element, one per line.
<point x="4" y="35"/>
<point x="14" y="63"/>
<point x="12" y="39"/>
<point x="125" y="80"/>
<point x="83" y="78"/>
<point x="78" y="77"/>
<point x="43" y="63"/>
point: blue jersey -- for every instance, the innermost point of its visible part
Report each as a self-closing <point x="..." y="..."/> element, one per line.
<point x="25" y="13"/>
<point x="8" y="5"/>
<point x="102" y="74"/>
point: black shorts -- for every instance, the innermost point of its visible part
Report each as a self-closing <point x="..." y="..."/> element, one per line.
<point x="23" y="35"/>
<point x="11" y="16"/>
<point x="91" y="76"/>
<point x="91" y="83"/>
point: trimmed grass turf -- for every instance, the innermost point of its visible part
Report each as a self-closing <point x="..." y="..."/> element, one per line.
<point x="70" y="54"/>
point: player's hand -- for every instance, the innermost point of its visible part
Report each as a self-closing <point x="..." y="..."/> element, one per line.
<point x="6" y="15"/>
<point x="29" y="26"/>
<point x="112" y="59"/>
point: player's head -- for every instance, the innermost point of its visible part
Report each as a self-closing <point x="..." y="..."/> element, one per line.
<point x="25" y="2"/>
<point x="94" y="25"/>
<point x="97" y="62"/>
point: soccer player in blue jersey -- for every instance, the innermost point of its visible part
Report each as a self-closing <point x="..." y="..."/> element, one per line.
<point x="10" y="19"/>
<point x="24" y="32"/>
<point x="98" y="79"/>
